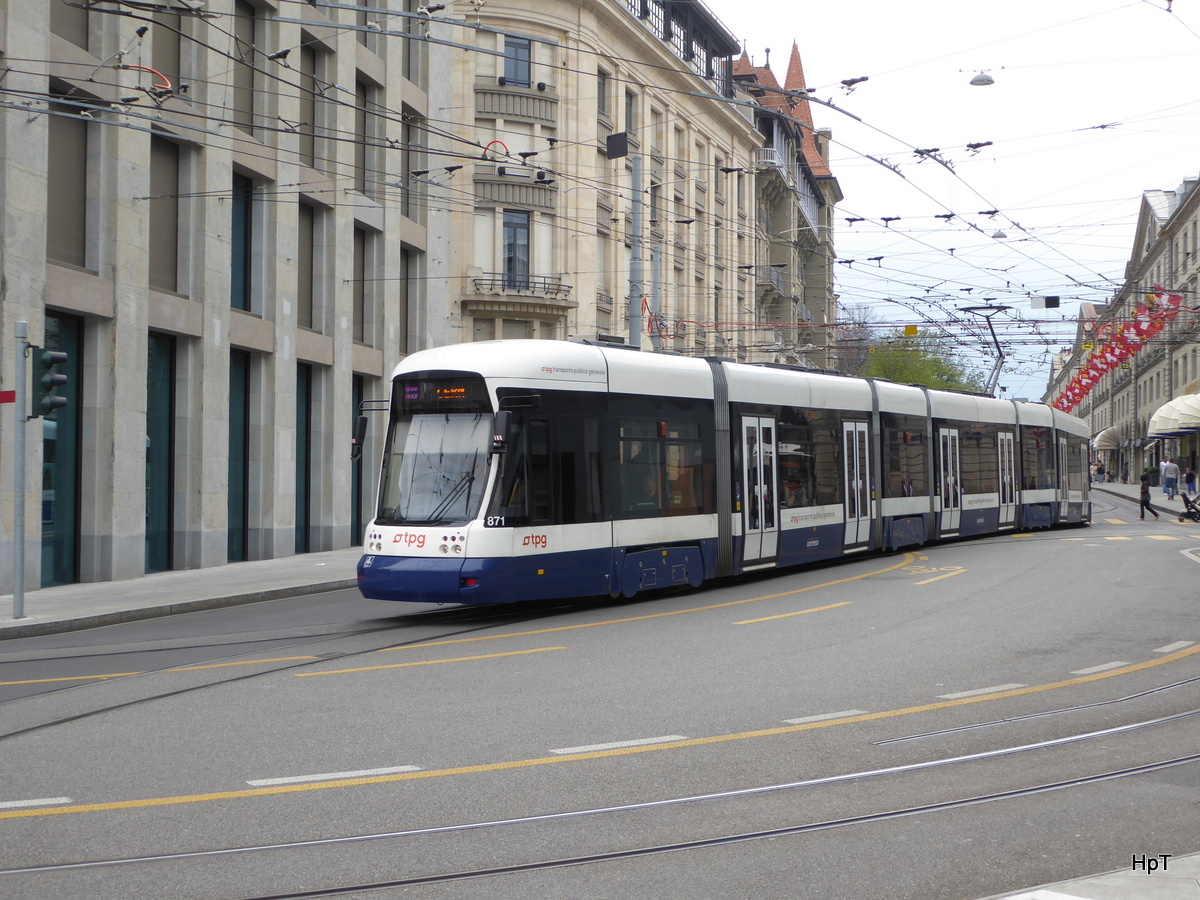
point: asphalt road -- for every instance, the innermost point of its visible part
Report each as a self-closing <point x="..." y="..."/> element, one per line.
<point x="755" y="739"/>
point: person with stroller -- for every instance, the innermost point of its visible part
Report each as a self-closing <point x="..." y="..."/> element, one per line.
<point x="1144" y="500"/>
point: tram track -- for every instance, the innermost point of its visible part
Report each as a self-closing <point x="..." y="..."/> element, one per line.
<point x="501" y="619"/>
<point x="790" y="829"/>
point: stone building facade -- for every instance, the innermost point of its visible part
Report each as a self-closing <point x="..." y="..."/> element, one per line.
<point x="202" y="211"/>
<point x="705" y="198"/>
<point x="1158" y="298"/>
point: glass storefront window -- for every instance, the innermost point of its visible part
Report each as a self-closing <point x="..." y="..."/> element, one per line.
<point x="60" y="458"/>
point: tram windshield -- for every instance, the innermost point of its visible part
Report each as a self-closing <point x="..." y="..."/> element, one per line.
<point x="435" y="461"/>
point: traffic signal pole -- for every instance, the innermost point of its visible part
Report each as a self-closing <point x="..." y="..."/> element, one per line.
<point x="18" y="611"/>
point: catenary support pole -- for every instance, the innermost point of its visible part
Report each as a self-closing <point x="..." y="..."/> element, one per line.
<point x="635" y="254"/>
<point x="22" y="416"/>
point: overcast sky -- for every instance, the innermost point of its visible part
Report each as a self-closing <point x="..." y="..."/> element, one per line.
<point x="1093" y="103"/>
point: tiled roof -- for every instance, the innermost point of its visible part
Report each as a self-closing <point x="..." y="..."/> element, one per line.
<point x="760" y="80"/>
<point x="803" y="112"/>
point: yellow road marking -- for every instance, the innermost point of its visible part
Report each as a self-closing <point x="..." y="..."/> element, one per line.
<point x="248" y="662"/>
<point x="908" y="559"/>
<point x="72" y="678"/>
<point x="797" y="613"/>
<point x="428" y="662"/>
<point x="1162" y="537"/>
<point x="1118" y="539"/>
<point x="939" y="578"/>
<point x="577" y="757"/>
<point x="1116" y="521"/>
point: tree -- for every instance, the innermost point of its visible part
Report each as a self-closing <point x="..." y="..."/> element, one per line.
<point x="852" y="338"/>
<point x="923" y="358"/>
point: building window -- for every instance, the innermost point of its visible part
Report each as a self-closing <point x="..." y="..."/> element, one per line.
<point x="61" y="457"/>
<point x="160" y="452"/>
<point x="167" y="44"/>
<point x="238" y="491"/>
<point x="630" y="111"/>
<point x="70" y="21"/>
<point x="366" y="249"/>
<point x="245" y="20"/>
<point x="307" y="126"/>
<point x="516" y="250"/>
<point x="410" y="158"/>
<point x="413" y="50"/>
<point x="164" y="214"/>
<point x="306" y="253"/>
<point x="66" y="184"/>
<point x="517" y="59"/>
<point x="241" y="241"/>
<point x="602" y="89"/>
<point x="406" y="297"/>
<point x="366" y="102"/>
<point x="304" y="416"/>
<point x="365" y="37"/>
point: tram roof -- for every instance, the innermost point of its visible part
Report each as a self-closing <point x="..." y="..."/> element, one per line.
<point x="596" y="367"/>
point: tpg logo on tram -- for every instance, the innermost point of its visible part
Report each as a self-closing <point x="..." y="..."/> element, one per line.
<point x="539" y="541"/>
<point x="408" y="539"/>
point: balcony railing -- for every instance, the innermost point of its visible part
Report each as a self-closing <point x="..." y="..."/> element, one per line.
<point x="549" y="286"/>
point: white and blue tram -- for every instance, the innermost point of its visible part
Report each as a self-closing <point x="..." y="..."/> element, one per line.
<point x="519" y="470"/>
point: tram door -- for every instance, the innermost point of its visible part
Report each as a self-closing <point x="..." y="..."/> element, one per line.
<point x="1064" y="482"/>
<point x="1008" y="478"/>
<point x="760" y="511"/>
<point x="950" y="479"/>
<point x="859" y="502"/>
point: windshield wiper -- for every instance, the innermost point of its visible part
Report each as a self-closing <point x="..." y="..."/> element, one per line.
<point x="464" y="483"/>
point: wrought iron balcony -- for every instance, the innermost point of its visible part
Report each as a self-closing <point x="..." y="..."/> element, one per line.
<point x="550" y="287"/>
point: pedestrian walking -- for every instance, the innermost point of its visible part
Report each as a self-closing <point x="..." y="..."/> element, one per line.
<point x="1144" y="500"/>
<point x="1170" y="471"/>
<point x="1189" y="481"/>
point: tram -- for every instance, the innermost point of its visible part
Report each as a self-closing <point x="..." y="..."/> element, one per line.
<point x="522" y="470"/>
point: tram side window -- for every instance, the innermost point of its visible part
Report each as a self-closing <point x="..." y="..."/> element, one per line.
<point x="639" y="470"/>
<point x="1075" y="457"/>
<point x="980" y="468"/>
<point x="577" y="446"/>
<point x="685" y="469"/>
<point x="809" y="458"/>
<point x="797" y="465"/>
<point x="523" y="496"/>
<point x="905" y="456"/>
<point x="1037" y="458"/>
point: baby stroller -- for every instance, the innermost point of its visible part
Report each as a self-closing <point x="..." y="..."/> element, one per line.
<point x="1191" y="508"/>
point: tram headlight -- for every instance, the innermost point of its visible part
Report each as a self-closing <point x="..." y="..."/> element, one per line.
<point x="458" y="548"/>
<point x="445" y="548"/>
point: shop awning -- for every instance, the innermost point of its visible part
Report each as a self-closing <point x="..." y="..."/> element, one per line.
<point x="1176" y="417"/>
<point x="1162" y="423"/>
<point x="1189" y="412"/>
<point x="1107" y="439"/>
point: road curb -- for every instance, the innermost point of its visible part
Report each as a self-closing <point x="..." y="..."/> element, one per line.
<point x="34" y="628"/>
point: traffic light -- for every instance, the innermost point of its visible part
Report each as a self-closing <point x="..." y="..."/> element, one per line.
<point x="45" y="400"/>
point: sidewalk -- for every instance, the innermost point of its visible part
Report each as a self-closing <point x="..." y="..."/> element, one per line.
<point x="1173" y="878"/>
<point x="75" y="606"/>
<point x="1165" y="507"/>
